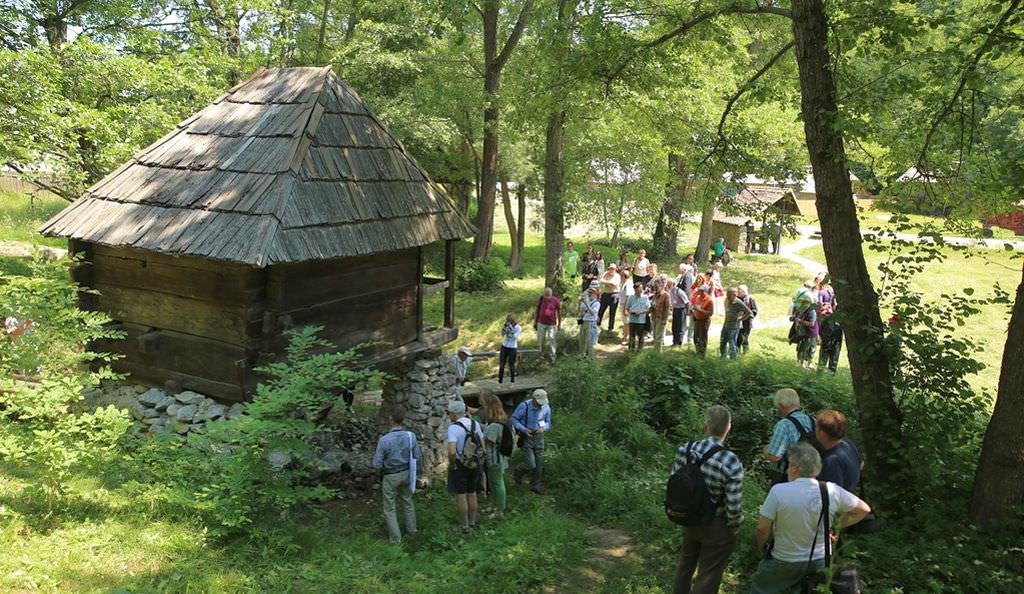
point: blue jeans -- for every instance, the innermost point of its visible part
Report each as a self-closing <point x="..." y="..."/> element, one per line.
<point x="781" y="577"/>
<point x="729" y="336"/>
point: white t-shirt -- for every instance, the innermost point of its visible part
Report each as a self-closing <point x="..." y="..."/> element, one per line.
<point x="610" y="284"/>
<point x="795" y="508"/>
<point x="640" y="268"/>
<point x="457" y="436"/>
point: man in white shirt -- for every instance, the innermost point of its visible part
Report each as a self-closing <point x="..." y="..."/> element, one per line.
<point x="462" y="481"/>
<point x="791" y="514"/>
<point x="460" y="368"/>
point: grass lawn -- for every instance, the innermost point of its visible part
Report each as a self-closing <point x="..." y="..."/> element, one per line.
<point x="980" y="269"/>
<point x="20" y="217"/>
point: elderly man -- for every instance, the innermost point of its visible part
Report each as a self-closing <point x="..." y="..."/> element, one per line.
<point x="680" y="299"/>
<point x="395" y="455"/>
<point x="546" y="319"/>
<point x="792" y="516"/>
<point x="462" y="481"/>
<point x="661" y="308"/>
<point x="840" y="458"/>
<point x="532" y="419"/>
<point x="460" y="368"/>
<point x="707" y="548"/>
<point x="794" y="426"/>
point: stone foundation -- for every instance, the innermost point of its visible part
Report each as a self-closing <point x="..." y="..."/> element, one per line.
<point x="424" y="388"/>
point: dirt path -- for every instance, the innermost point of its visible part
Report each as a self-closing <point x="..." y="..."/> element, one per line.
<point x="610" y="554"/>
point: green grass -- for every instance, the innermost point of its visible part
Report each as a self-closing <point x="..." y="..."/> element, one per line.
<point x="979" y="268"/>
<point x="20" y="216"/>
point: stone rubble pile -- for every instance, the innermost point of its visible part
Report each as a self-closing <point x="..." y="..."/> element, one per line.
<point x="155" y="411"/>
<point x="424" y="389"/>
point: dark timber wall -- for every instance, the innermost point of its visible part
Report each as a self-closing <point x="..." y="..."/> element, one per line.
<point x="205" y="324"/>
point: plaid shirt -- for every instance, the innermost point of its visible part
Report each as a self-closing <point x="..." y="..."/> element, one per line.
<point x="785" y="434"/>
<point x="723" y="475"/>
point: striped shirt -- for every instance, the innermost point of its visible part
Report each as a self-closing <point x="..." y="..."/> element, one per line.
<point x="723" y="476"/>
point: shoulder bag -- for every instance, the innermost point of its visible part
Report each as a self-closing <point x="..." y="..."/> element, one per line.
<point x="844" y="580"/>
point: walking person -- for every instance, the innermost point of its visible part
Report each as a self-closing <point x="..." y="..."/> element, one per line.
<point x="660" y="310"/>
<point x="532" y="418"/>
<point x="510" y="333"/>
<point x="397" y="456"/>
<point x="735" y="312"/>
<point x="706" y="549"/>
<point x="546" y="320"/>
<point x="747" y="324"/>
<point x="462" y="479"/>
<point x="638" y="306"/>
<point x="587" y="311"/>
<point x="641" y="265"/>
<point x="703" y="308"/>
<point x="611" y="281"/>
<point x="497" y="462"/>
<point x="680" y="299"/>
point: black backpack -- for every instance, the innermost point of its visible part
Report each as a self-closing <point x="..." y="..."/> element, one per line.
<point x="687" y="500"/>
<point x="507" y="441"/>
<point x="805" y="435"/>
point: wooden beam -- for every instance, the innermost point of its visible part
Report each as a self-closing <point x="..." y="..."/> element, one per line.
<point x="419" y="292"/>
<point x="449" y="290"/>
<point x="432" y="286"/>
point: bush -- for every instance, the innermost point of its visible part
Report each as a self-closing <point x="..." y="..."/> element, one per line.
<point x="259" y="464"/>
<point x="479" y="275"/>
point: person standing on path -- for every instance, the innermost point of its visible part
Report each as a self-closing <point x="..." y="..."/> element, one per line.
<point x="532" y="418"/>
<point x="638" y="306"/>
<point x="588" y="309"/>
<point x="510" y="333"/>
<point x="460" y="369"/>
<point x="680" y="299"/>
<point x="394" y="456"/>
<point x="747" y="324"/>
<point x="546" y="319"/>
<point x="703" y="308"/>
<point x="497" y="424"/>
<point x="462" y="481"/>
<point x="735" y="312"/>
<point x="706" y="549"/>
<point x="610" y="284"/>
<point x="660" y="311"/>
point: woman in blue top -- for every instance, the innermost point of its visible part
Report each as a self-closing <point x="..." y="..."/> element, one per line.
<point x="509" y="347"/>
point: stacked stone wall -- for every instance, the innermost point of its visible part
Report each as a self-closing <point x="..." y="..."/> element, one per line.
<point x="424" y="388"/>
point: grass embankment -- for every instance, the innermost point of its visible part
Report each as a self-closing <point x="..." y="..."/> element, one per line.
<point x="980" y="269"/>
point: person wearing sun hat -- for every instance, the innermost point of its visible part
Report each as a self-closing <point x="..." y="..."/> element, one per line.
<point x="532" y="420"/>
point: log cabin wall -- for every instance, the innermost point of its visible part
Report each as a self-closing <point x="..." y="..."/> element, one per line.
<point x="196" y="322"/>
<point x="373" y="298"/>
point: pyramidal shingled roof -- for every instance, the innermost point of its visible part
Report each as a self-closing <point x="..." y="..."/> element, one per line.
<point x="288" y="166"/>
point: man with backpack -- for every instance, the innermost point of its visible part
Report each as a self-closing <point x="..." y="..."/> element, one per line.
<point x="466" y="459"/>
<point x="795" y="425"/>
<point x="532" y="419"/>
<point x="705" y="495"/>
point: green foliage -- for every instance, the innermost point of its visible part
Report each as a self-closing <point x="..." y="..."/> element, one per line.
<point x="479" y="275"/>
<point x="258" y="465"/>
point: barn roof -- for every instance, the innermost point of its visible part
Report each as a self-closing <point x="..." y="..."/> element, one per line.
<point x="288" y="166"/>
<point x="751" y="203"/>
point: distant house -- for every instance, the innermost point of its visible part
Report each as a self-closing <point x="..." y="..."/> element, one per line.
<point x="283" y="204"/>
<point x="752" y="209"/>
<point x="803" y="188"/>
<point x="1011" y="221"/>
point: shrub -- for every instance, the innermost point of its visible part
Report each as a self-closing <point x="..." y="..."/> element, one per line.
<point x="481" y="274"/>
<point x="259" y="464"/>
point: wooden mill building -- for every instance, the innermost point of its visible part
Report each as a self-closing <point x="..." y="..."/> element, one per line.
<point x="285" y="203"/>
<point x="752" y="208"/>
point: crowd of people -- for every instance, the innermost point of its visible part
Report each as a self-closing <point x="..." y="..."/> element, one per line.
<point x="653" y="304"/>
<point x="815" y="325"/>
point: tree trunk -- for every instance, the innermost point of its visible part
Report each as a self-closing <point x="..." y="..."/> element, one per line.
<point x="323" y="32"/>
<point x="666" y="232"/>
<point x="513" y="234"/>
<point x="489" y="169"/>
<point x="462" y="197"/>
<point x="998" y="484"/>
<point x="869" y="362"/>
<point x="707" y="216"/>
<point x="517" y="257"/>
<point x="554" y="208"/>
<point x="56" y="29"/>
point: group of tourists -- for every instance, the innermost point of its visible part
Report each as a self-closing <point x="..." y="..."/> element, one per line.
<point x="815" y="326"/>
<point x="818" y="469"/>
<point x="655" y="303"/>
<point x="480" y="444"/>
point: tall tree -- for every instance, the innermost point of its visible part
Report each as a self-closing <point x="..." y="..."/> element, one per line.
<point x="494" y="64"/>
<point x="998" y="484"/>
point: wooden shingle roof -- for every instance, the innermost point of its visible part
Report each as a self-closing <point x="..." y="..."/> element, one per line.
<point x="288" y="166"/>
<point x="751" y="203"/>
